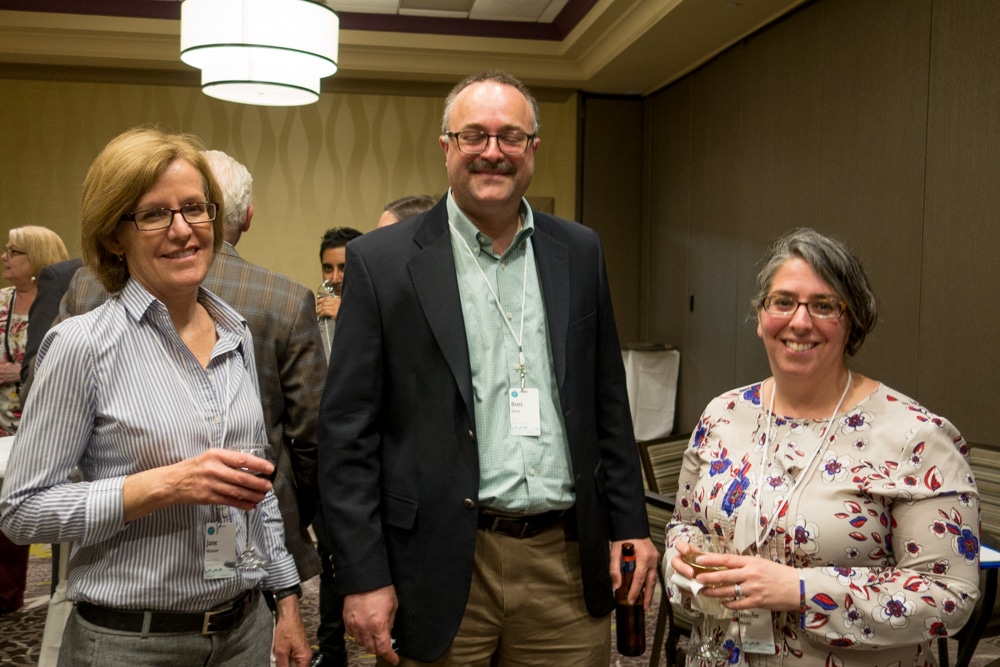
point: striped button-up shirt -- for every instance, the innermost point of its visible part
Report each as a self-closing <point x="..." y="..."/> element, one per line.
<point x="119" y="393"/>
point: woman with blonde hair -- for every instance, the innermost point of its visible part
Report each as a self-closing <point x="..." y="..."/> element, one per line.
<point x="154" y="396"/>
<point x="28" y="250"/>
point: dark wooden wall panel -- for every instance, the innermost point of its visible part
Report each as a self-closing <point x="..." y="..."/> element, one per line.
<point x="873" y="115"/>
<point x="780" y="152"/>
<point x="878" y="122"/>
<point x="611" y="196"/>
<point x="708" y="352"/>
<point x="958" y="363"/>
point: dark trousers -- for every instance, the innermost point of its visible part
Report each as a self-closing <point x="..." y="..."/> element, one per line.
<point x="330" y="633"/>
<point x="13" y="574"/>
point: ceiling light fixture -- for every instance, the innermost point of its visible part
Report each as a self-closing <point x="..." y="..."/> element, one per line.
<point x="268" y="52"/>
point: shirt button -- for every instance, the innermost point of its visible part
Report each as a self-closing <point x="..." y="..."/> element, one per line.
<point x="510" y="315"/>
<point x="216" y="420"/>
<point x="532" y="472"/>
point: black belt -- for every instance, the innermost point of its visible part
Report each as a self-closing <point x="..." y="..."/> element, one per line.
<point x="220" y="619"/>
<point x="520" y="526"/>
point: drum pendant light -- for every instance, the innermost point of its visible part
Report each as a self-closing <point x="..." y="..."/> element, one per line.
<point x="268" y="52"/>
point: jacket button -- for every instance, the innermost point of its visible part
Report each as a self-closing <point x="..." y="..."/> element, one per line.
<point x="469" y="504"/>
<point x="472" y="436"/>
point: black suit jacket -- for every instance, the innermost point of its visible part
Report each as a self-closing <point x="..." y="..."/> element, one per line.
<point x="52" y="282"/>
<point x="399" y="464"/>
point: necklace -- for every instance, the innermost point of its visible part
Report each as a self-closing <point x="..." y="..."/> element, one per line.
<point x="807" y="471"/>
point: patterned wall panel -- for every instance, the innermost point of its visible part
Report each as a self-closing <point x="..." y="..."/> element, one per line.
<point x="333" y="163"/>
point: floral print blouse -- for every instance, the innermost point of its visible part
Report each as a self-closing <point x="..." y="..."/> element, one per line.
<point x="882" y="521"/>
<point x="15" y="340"/>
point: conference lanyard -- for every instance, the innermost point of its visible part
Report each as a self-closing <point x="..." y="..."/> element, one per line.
<point x="519" y="336"/>
<point x="806" y="471"/>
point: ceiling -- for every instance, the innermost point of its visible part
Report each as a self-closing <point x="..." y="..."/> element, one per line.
<point x="625" y="47"/>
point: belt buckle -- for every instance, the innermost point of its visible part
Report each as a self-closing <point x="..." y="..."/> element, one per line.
<point x="205" y="629"/>
<point x="237" y="610"/>
<point x="517" y="528"/>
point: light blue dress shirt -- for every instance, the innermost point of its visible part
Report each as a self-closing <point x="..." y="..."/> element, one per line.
<point x="517" y="473"/>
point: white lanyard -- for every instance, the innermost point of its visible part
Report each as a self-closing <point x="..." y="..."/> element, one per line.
<point x="519" y="336"/>
<point x="806" y="471"/>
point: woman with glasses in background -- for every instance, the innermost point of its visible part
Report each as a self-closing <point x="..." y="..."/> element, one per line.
<point x="28" y="250"/>
<point x="152" y="395"/>
<point x="850" y="511"/>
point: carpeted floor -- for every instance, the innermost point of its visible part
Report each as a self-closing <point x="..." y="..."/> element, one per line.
<point x="21" y="632"/>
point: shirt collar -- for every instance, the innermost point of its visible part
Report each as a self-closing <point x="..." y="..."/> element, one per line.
<point x="473" y="237"/>
<point x="137" y="301"/>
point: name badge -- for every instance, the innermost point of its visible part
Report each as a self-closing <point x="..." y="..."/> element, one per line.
<point x="525" y="416"/>
<point x="220" y="545"/>
<point x="756" y="631"/>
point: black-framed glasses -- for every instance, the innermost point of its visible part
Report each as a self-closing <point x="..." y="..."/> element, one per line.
<point x="151" y="219"/>
<point x="11" y="251"/>
<point x="819" y="307"/>
<point x="474" y="142"/>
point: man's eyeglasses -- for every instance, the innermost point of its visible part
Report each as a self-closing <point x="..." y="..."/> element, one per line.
<point x="820" y="307"/>
<point x="11" y="251"/>
<point x="475" y="142"/>
<point x="161" y="218"/>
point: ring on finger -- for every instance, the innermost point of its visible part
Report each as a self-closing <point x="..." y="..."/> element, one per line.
<point x="739" y="591"/>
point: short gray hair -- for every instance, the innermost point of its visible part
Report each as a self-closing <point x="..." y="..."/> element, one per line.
<point x="835" y="263"/>
<point x="236" y="184"/>
<point x="498" y="77"/>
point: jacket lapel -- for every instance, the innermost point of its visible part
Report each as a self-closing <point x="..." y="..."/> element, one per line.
<point x="552" y="258"/>
<point x="432" y="271"/>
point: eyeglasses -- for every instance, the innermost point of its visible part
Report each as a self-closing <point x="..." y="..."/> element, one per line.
<point x="820" y="307"/>
<point x="11" y="251"/>
<point x="475" y="142"/>
<point x="161" y="218"/>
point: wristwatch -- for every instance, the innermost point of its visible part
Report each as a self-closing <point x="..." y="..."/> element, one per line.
<point x="295" y="590"/>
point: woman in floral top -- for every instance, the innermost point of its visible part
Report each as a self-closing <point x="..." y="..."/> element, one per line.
<point x="852" y="512"/>
<point x="28" y="249"/>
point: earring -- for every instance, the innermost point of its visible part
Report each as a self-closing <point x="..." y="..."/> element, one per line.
<point x="32" y="278"/>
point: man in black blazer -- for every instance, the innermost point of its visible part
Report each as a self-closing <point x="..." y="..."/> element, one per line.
<point x="52" y="282"/>
<point x="477" y="464"/>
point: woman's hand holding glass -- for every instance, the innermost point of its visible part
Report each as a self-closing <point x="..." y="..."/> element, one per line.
<point x="253" y="462"/>
<point x="738" y="581"/>
<point x="701" y="559"/>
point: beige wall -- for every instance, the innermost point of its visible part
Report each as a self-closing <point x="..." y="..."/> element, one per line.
<point x="878" y="122"/>
<point x="333" y="163"/>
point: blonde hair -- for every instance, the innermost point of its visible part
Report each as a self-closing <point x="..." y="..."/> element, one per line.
<point x="125" y="170"/>
<point x="41" y="245"/>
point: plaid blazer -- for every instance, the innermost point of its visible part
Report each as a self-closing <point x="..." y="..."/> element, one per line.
<point x="291" y="370"/>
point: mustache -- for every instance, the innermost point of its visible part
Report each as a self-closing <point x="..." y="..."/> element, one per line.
<point x="502" y="166"/>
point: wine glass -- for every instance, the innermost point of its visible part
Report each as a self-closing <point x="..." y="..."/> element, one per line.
<point x="252" y="558"/>
<point x="709" y="649"/>
<point x="326" y="290"/>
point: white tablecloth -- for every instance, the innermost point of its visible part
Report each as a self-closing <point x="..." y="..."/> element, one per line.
<point x="6" y="444"/>
<point x="651" y="376"/>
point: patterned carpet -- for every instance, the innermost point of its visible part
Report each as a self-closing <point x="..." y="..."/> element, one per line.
<point x="21" y="632"/>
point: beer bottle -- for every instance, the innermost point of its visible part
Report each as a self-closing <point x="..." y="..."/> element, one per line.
<point x="630" y="619"/>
